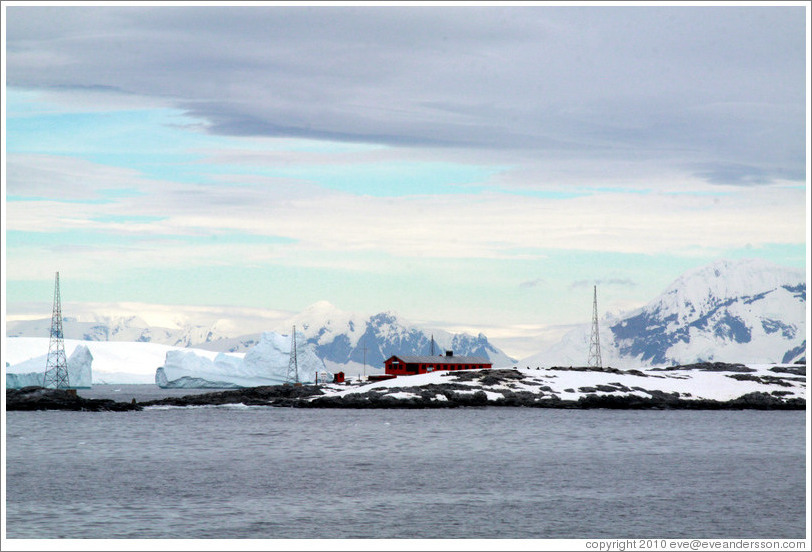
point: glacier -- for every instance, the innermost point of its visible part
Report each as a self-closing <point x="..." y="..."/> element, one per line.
<point x="264" y="364"/>
<point x="32" y="372"/>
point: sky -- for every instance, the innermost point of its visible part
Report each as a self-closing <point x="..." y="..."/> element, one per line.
<point x="473" y="168"/>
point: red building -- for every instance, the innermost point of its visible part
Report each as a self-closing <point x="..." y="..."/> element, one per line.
<point x="410" y="365"/>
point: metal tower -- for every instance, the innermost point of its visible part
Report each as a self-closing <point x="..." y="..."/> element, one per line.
<point x="293" y="364"/>
<point x="594" y="341"/>
<point x="365" y="356"/>
<point x="56" y="367"/>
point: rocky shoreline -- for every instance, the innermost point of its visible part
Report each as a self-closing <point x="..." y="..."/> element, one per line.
<point x="471" y="388"/>
<point x="38" y="398"/>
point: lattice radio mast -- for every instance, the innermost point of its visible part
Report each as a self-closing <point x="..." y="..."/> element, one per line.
<point x="293" y="364"/>
<point x="365" y="356"/>
<point x="56" y="367"/>
<point x="594" y="341"/>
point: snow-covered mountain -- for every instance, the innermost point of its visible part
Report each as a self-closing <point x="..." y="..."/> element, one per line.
<point x="338" y="337"/>
<point x="729" y="311"/>
<point x="118" y="328"/>
<point x="342" y="338"/>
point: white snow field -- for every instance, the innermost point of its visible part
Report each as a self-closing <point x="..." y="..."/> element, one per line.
<point x="572" y="384"/>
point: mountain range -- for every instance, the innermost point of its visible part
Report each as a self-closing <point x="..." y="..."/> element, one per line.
<point x="338" y="337"/>
<point x="341" y="338"/>
<point x="729" y="311"/>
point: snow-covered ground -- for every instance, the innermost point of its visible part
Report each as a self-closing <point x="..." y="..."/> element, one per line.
<point x="573" y="384"/>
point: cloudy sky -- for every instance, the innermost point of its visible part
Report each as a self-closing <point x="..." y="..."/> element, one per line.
<point x="467" y="167"/>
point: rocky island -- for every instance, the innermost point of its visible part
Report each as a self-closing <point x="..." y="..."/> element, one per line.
<point x="713" y="386"/>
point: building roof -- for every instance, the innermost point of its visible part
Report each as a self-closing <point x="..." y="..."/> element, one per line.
<point x="428" y="359"/>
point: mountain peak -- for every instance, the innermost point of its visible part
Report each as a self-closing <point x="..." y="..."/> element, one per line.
<point x="706" y="288"/>
<point x="739" y="276"/>
<point x="747" y="310"/>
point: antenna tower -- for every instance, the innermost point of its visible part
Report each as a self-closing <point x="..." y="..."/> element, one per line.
<point x="293" y="364"/>
<point x="365" y="356"/>
<point x="594" y="341"/>
<point x="56" y="367"/>
<point x="432" y="344"/>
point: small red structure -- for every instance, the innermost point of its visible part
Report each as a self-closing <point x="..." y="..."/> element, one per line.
<point x="411" y="365"/>
<point x="338" y="377"/>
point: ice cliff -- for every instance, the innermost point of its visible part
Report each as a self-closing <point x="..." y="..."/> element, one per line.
<point x="31" y="372"/>
<point x="265" y="364"/>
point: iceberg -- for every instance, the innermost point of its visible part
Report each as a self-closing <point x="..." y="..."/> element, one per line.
<point x="264" y="364"/>
<point x="32" y="372"/>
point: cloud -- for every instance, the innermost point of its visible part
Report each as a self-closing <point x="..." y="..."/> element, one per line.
<point x="166" y="223"/>
<point x="63" y="178"/>
<point x="233" y="321"/>
<point x="741" y="174"/>
<point x="674" y="85"/>
<point x="617" y="282"/>
<point x="533" y="283"/>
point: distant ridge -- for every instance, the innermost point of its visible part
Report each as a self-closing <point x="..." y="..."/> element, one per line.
<point x="341" y="337"/>
<point x="338" y="337"/>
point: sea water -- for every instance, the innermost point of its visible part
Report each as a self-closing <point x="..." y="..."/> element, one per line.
<point x="265" y="473"/>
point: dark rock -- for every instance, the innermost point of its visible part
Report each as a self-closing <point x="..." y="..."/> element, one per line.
<point x="708" y="367"/>
<point x="496" y="377"/>
<point x="518" y="398"/>
<point x="272" y="395"/>
<point x="606" y="369"/>
<point x="789" y="370"/>
<point x="758" y="400"/>
<point x="606" y="388"/>
<point x="765" y="379"/>
<point x="620" y="387"/>
<point x="39" y="398"/>
<point x="621" y="402"/>
<point x="637" y="373"/>
<point x="466" y="375"/>
<point x="662" y="395"/>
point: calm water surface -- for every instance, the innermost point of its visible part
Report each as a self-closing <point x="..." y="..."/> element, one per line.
<point x="461" y="473"/>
